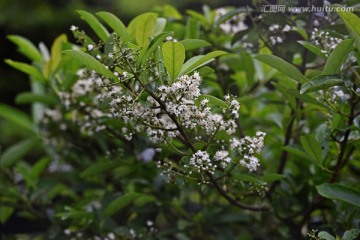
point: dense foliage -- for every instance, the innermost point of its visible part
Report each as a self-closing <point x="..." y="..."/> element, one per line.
<point x="227" y="124"/>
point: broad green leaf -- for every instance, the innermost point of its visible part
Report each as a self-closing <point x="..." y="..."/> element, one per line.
<point x="312" y="48"/>
<point x="120" y="203"/>
<point x="153" y="46"/>
<point x="199" y="17"/>
<point x="340" y="192"/>
<point x="191" y="44"/>
<point x="352" y="21"/>
<point x="159" y="27"/>
<point x="29" y="97"/>
<point x="56" y="51"/>
<point x="171" y="12"/>
<point x="212" y="100"/>
<point x="272" y="177"/>
<point x="205" y="71"/>
<point x="98" y="168"/>
<point x="351" y="234"/>
<point x="229" y="15"/>
<point x="133" y="26"/>
<point x="94" y="23"/>
<point x="246" y="177"/>
<point x="282" y="66"/>
<point x="324" y="82"/>
<point x="17" y="151"/>
<point x="326" y="236"/>
<point x="297" y="151"/>
<point x="192" y="29"/>
<point x="26" y="47"/>
<point x="90" y="62"/>
<point x="198" y="61"/>
<point x="28" y="69"/>
<point x="116" y="24"/>
<point x="338" y="57"/>
<point x="144" y="30"/>
<point x="312" y="147"/>
<point x="173" y="57"/>
<point x="16" y="116"/>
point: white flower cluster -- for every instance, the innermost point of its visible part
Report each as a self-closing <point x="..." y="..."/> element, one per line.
<point x="233" y="25"/>
<point x="324" y="40"/>
<point x="246" y="147"/>
<point x="278" y="33"/>
<point x="201" y="162"/>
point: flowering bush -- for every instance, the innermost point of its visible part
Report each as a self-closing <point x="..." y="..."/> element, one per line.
<point x="224" y="124"/>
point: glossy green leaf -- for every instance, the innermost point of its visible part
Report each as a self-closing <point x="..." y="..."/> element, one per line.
<point x="282" y="66"/>
<point x="120" y="203"/>
<point x="352" y="21"/>
<point x="26" y="47"/>
<point x="144" y="30"/>
<point x="351" y="234"/>
<point x="192" y="29"/>
<point x="90" y="62"/>
<point x="212" y="100"/>
<point x="191" y="44"/>
<point x="312" y="147"/>
<point x="340" y="192"/>
<point x="312" y="48"/>
<point x="154" y="44"/>
<point x="116" y="24"/>
<point x="133" y="27"/>
<point x="173" y="57"/>
<point x="326" y="236"/>
<point x="29" y="97"/>
<point x="28" y="69"/>
<point x="272" y="177"/>
<point x="160" y="24"/>
<point x="323" y="82"/>
<point x="338" y="56"/>
<point x="199" y="61"/>
<point x="17" y="151"/>
<point x="56" y="51"/>
<point x="16" y="116"/>
<point x="94" y="23"/>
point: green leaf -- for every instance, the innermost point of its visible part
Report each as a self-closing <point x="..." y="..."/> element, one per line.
<point x="171" y="12"/>
<point x="212" y="100"/>
<point x="26" y="47"/>
<point x="272" y="177"/>
<point x="312" y="147"/>
<point x="246" y="177"/>
<point x="75" y="215"/>
<point x="312" y="48"/>
<point x="153" y="46"/>
<point x="305" y="97"/>
<point x="173" y="56"/>
<point x="29" y="97"/>
<point x="56" y="53"/>
<point x="192" y="29"/>
<point x="14" y="115"/>
<point x="191" y="44"/>
<point x="340" y="192"/>
<point x="229" y="15"/>
<point x="282" y="66"/>
<point x="99" y="168"/>
<point x="351" y="234"/>
<point x="39" y="167"/>
<point x="5" y="213"/>
<point x="297" y="151"/>
<point x="326" y="236"/>
<point x="239" y="35"/>
<point x="144" y="30"/>
<point x="159" y="27"/>
<point x="322" y="82"/>
<point x="338" y="57"/>
<point x="134" y="26"/>
<point x="90" y="62"/>
<point x="198" y="61"/>
<point x="28" y="69"/>
<point x="116" y="24"/>
<point x="352" y="21"/>
<point x="17" y="151"/>
<point x="94" y="23"/>
<point x="120" y="203"/>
